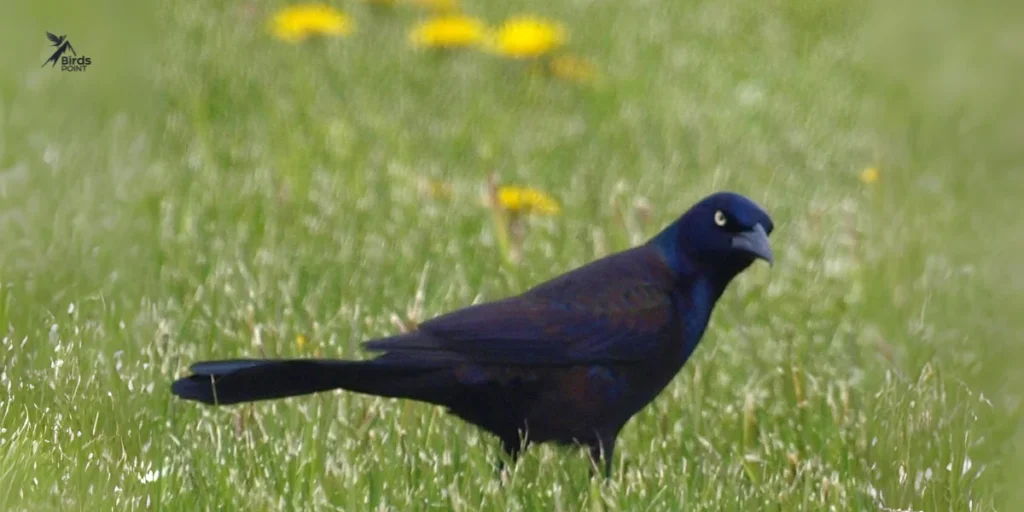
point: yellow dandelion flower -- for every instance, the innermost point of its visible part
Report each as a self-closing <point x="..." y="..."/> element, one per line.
<point x="300" y="341"/>
<point x="573" y="69"/>
<point x="527" y="200"/>
<point x="454" y="31"/>
<point x="527" y="37"/>
<point x="299" y="22"/>
<point x="869" y="175"/>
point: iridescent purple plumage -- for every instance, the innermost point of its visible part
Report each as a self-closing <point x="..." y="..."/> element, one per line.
<point x="568" y="361"/>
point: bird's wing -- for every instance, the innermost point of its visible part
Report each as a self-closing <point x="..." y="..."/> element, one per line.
<point x="54" y="39"/>
<point x="603" y="313"/>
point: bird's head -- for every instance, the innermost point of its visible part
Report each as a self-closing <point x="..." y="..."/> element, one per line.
<point x="723" y="233"/>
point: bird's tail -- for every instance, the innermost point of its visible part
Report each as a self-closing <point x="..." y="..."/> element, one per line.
<point x="248" y="380"/>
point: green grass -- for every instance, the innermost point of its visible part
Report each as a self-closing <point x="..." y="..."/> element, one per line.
<point x="204" y="191"/>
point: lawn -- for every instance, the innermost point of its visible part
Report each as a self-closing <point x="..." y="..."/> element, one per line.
<point x="204" y="190"/>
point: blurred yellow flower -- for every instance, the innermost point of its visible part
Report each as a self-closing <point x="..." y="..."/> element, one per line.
<point x="573" y="69"/>
<point x="452" y="31"/>
<point x="869" y="175"/>
<point x="299" y="22"/>
<point x="300" y="341"/>
<point x="526" y="200"/>
<point x="526" y="37"/>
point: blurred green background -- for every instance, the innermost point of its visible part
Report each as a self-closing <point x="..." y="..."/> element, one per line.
<point x="204" y="190"/>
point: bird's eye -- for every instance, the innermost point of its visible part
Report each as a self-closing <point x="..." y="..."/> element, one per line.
<point x="720" y="218"/>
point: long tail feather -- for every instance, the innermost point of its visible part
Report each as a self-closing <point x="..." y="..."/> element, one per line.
<point x="248" y="380"/>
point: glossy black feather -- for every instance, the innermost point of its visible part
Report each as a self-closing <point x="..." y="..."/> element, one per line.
<point x="247" y="380"/>
<point x="613" y="310"/>
<point x="569" y="361"/>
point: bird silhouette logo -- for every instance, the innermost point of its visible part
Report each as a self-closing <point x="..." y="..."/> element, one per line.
<point x="62" y="44"/>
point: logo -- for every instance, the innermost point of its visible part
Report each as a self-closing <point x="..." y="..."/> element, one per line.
<point x="72" y="62"/>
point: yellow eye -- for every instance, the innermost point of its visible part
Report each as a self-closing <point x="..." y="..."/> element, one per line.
<point x="720" y="219"/>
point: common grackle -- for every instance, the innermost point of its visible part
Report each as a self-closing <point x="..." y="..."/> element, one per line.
<point x="569" y="361"/>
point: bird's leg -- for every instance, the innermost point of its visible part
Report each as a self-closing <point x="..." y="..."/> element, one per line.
<point x="602" y="452"/>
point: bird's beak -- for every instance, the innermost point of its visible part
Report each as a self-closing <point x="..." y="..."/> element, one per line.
<point x="755" y="243"/>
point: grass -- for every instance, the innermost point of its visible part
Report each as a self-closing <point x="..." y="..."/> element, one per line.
<point x="204" y="191"/>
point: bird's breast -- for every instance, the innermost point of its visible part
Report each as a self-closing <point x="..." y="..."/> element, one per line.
<point x="694" y="312"/>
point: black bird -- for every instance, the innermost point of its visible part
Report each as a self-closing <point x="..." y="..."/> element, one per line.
<point x="568" y="361"/>
<point x="62" y="45"/>
<point x="55" y="39"/>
